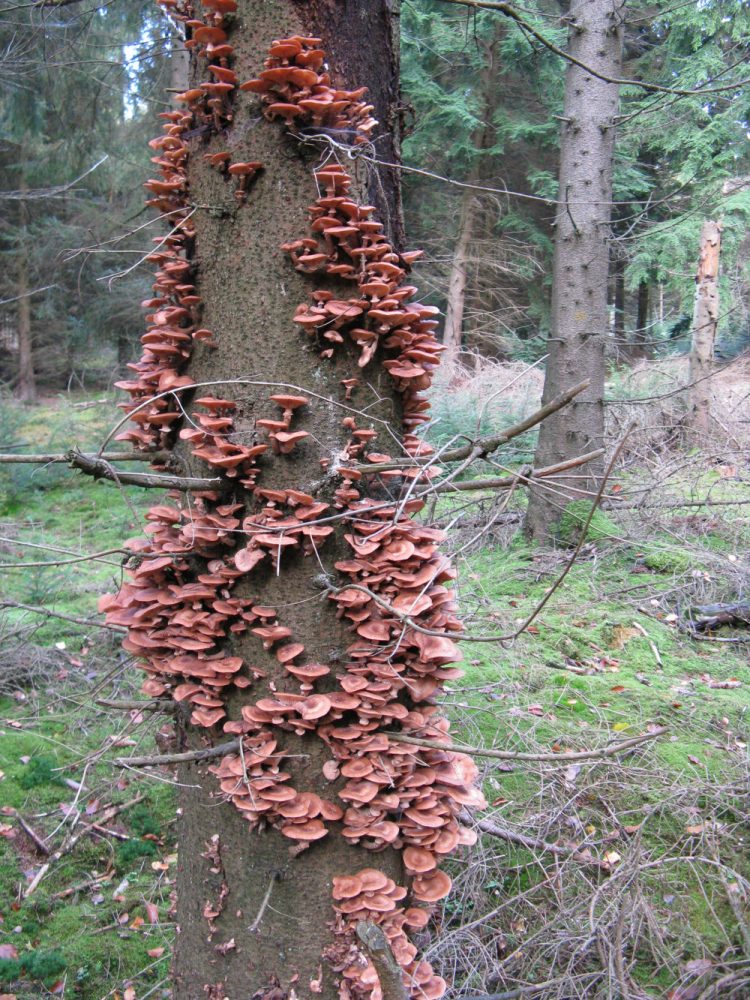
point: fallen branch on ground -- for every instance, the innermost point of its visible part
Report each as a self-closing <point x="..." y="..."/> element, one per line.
<point x="503" y="833"/>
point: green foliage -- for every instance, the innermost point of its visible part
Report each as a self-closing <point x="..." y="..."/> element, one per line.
<point x="574" y="519"/>
<point x="130" y="851"/>
<point x="44" y="966"/>
<point x="142" y="821"/>
<point x="40" y="771"/>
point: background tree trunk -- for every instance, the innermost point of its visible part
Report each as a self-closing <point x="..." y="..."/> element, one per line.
<point x="455" y="306"/>
<point x="249" y="292"/>
<point x="458" y="281"/>
<point x="705" y="322"/>
<point x="579" y="320"/>
<point x="26" y="384"/>
<point x="641" y="332"/>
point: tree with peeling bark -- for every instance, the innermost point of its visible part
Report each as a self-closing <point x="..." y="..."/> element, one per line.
<point x="705" y="323"/>
<point x="580" y="318"/>
<point x="295" y="604"/>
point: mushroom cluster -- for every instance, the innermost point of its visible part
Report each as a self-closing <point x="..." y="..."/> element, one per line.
<point x="177" y="622"/>
<point x="393" y="592"/>
<point x="370" y="895"/>
<point x="296" y="89"/>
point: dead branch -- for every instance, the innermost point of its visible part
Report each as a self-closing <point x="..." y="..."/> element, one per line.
<point x="380" y="954"/>
<point x="73" y="838"/>
<point x="610" y="750"/>
<point x="32" y="835"/>
<point x="485" y="446"/>
<point x="100" y="468"/>
<point x="503" y="833"/>
<point x="155" y="705"/>
<point x="59" y="457"/>
<point x="523" y="476"/>
<point x="56" y="614"/>
<point x="178" y="758"/>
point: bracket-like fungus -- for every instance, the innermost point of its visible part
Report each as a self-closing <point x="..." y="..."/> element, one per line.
<point x="394" y="589"/>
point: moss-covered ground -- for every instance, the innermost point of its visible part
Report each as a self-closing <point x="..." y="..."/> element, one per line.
<point x="606" y="658"/>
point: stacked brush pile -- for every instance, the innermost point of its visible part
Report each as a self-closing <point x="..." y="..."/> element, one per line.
<point x="394" y="589"/>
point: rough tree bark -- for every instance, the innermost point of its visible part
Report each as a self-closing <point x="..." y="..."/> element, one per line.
<point x="579" y="317"/>
<point x="249" y="294"/>
<point x="453" y="331"/>
<point x="705" y="322"/>
<point x="641" y="334"/>
<point x="458" y="280"/>
<point x="255" y="912"/>
<point x="26" y="384"/>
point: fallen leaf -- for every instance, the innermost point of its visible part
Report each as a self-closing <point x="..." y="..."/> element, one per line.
<point x="152" y="912"/>
<point x="620" y="727"/>
<point x="129" y="994"/>
<point x="699" y="965"/>
<point x="155" y="952"/>
<point x="694" y="760"/>
<point x="694" y="830"/>
<point x="8" y="951"/>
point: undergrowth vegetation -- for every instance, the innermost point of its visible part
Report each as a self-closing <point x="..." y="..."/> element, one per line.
<point x="619" y="875"/>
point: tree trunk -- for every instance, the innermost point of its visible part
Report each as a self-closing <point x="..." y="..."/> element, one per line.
<point x="26" y="384"/>
<point x="454" y="310"/>
<point x="258" y="913"/>
<point x="641" y="332"/>
<point x="618" y="301"/>
<point x="705" y="321"/>
<point x="579" y="319"/>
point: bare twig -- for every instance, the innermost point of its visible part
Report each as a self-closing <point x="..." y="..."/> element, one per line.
<point x="56" y="614"/>
<point x="264" y="903"/>
<point x="485" y="446"/>
<point x="610" y="750"/>
<point x="178" y="758"/>
<point x="524" y="477"/>
<point x="100" y="468"/>
<point x="532" y="843"/>
<point x="60" y="457"/>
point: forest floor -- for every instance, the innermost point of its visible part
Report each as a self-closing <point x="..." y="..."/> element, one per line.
<point x="625" y="875"/>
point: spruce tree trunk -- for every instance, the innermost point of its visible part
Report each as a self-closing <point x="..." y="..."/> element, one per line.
<point x="641" y="334"/>
<point x="705" y="322"/>
<point x="618" y="302"/>
<point x="579" y="317"/>
<point x="317" y="814"/>
<point x="26" y="383"/>
<point x="457" y="282"/>
<point x="250" y="293"/>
